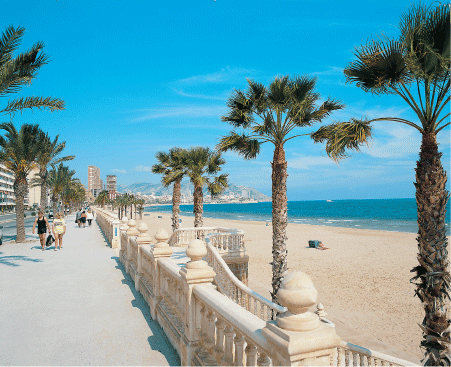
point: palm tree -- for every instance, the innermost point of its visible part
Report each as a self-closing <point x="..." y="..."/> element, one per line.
<point x="48" y="156"/>
<point x="140" y="207"/>
<point x="171" y="166"/>
<point x="58" y="179"/>
<point x="74" y="194"/>
<point x="20" y="71"/>
<point x="269" y="115"/>
<point x="102" y="198"/>
<point x="201" y="165"/>
<point x="416" y="68"/>
<point x="18" y="152"/>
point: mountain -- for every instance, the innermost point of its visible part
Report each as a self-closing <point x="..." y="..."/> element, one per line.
<point x="187" y="189"/>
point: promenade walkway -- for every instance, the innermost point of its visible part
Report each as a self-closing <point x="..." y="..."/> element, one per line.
<point x="74" y="306"/>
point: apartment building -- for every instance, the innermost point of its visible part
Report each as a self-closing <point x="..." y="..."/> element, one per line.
<point x="111" y="183"/>
<point x="94" y="181"/>
<point x="7" y="197"/>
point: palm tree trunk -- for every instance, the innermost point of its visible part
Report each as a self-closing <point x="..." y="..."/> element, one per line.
<point x="198" y="205"/>
<point x="279" y="219"/>
<point x="20" y="191"/>
<point x="176" y="204"/>
<point x="433" y="272"/>
<point x="43" y="193"/>
<point x="54" y="204"/>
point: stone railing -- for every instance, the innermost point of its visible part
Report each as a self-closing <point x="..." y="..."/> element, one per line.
<point x="207" y="327"/>
<point x="226" y="240"/>
<point x="233" y="288"/>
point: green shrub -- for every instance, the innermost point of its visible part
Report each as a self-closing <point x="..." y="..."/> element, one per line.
<point x="33" y="214"/>
<point x="24" y="215"/>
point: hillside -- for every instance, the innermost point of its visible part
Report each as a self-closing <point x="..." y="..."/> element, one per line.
<point x="187" y="188"/>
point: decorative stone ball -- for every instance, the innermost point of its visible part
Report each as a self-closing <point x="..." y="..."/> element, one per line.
<point x="196" y="250"/>
<point x="124" y="219"/>
<point x="132" y="231"/>
<point x="142" y="228"/>
<point x="162" y="236"/>
<point x="297" y="292"/>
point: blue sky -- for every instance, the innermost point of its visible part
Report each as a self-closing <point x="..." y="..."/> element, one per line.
<point x="143" y="76"/>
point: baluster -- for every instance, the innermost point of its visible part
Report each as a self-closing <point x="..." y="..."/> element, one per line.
<point x="268" y="313"/>
<point x="262" y="310"/>
<point x="210" y="339"/>
<point x="263" y="360"/>
<point x="339" y="356"/>
<point x="239" y="349"/>
<point x="219" y="348"/>
<point x="251" y="354"/>
<point x="362" y="359"/>
<point x="354" y="359"/>
<point x="347" y="357"/>
<point x="255" y="306"/>
<point x="384" y="363"/>
<point x="228" y="346"/>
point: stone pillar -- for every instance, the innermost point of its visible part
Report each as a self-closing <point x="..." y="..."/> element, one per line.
<point x="123" y="228"/>
<point x="298" y="337"/>
<point x="116" y="242"/>
<point x="131" y="232"/>
<point x="159" y="250"/>
<point x="196" y="271"/>
<point x="142" y="239"/>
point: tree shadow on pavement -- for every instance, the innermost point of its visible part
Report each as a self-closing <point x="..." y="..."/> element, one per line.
<point x="158" y="341"/>
<point x="10" y="260"/>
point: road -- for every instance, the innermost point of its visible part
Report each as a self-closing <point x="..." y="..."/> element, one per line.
<point x="8" y="221"/>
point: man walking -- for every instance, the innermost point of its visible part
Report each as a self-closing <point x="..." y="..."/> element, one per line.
<point x="78" y="216"/>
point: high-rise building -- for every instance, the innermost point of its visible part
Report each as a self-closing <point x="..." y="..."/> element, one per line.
<point x="34" y="192"/>
<point x="111" y="183"/>
<point x="94" y="181"/>
<point x="7" y="197"/>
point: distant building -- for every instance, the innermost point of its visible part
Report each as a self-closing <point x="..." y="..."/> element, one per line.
<point x="7" y="197"/>
<point x="34" y="193"/>
<point x="94" y="181"/>
<point x="111" y="183"/>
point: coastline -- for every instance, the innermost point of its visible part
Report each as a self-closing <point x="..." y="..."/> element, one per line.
<point x="362" y="280"/>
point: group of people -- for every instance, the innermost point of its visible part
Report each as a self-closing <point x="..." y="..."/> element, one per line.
<point x="59" y="226"/>
<point x="81" y="216"/>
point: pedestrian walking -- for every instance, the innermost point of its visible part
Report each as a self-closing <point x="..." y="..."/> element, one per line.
<point x="77" y="217"/>
<point x="43" y="227"/>
<point x="59" y="228"/>
<point x="83" y="218"/>
<point x="89" y="217"/>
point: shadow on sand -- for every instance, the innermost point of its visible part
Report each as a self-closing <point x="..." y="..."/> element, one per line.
<point x="158" y="340"/>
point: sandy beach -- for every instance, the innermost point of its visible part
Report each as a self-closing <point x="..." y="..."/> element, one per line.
<point x="362" y="280"/>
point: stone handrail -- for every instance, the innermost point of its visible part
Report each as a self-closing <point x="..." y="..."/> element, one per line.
<point x="227" y="239"/>
<point x="207" y="327"/>
<point x="234" y="289"/>
<point x="348" y="354"/>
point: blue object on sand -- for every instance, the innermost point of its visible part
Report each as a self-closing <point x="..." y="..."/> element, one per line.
<point x="313" y="244"/>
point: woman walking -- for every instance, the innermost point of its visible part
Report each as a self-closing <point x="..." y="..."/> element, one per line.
<point x="83" y="218"/>
<point x="89" y="217"/>
<point x="59" y="228"/>
<point x="43" y="226"/>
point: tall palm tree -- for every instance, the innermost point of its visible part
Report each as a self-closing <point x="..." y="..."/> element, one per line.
<point x="48" y="156"/>
<point x="202" y="165"/>
<point x="74" y="194"/>
<point x="271" y="115"/>
<point x="171" y="166"/>
<point x="416" y="68"/>
<point x="140" y="207"/>
<point x="18" y="152"/>
<point x="58" y="178"/>
<point x="16" y="72"/>
<point x="102" y="198"/>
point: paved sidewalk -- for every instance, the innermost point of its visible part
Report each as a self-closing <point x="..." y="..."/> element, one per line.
<point x="74" y="306"/>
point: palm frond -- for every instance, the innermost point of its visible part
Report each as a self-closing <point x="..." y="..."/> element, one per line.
<point x="9" y="42"/>
<point x="34" y="102"/>
<point x="342" y="136"/>
<point x="379" y="66"/>
<point x="240" y="114"/>
<point x="242" y="144"/>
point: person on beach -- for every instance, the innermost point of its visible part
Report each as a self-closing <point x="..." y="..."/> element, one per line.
<point x="89" y="217"/>
<point x="77" y="217"/>
<point x="321" y="247"/>
<point x="43" y="226"/>
<point x="83" y="218"/>
<point x="59" y="228"/>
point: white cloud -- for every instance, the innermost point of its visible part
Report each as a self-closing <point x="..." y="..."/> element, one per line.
<point x="201" y="96"/>
<point x="305" y="162"/>
<point x="119" y="171"/>
<point x="143" y="169"/>
<point x="225" y="75"/>
<point x="332" y="70"/>
<point x="186" y="111"/>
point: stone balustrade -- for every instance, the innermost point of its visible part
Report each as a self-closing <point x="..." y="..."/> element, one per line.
<point x="212" y="324"/>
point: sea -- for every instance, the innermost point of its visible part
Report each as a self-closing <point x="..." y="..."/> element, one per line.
<point x="395" y="215"/>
